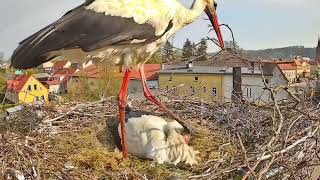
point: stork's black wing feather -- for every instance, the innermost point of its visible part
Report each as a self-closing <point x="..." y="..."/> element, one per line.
<point x="80" y="28"/>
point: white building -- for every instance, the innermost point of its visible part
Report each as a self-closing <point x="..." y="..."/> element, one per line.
<point x="253" y="87"/>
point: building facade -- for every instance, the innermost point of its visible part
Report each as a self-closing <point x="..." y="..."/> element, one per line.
<point x="216" y="83"/>
<point x="26" y="89"/>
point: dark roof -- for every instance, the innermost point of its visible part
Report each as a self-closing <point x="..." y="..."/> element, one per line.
<point x="267" y="70"/>
<point x="221" y="59"/>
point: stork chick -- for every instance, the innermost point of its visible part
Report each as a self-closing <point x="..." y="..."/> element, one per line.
<point x="152" y="137"/>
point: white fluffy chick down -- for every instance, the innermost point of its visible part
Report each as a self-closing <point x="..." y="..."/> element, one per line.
<point x="152" y="137"/>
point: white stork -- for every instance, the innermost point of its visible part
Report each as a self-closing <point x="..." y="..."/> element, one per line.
<point x="125" y="32"/>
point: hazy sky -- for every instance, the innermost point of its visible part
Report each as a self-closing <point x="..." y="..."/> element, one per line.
<point x="256" y="23"/>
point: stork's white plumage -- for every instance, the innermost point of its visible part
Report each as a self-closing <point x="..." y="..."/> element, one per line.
<point x="152" y="137"/>
<point x="124" y="32"/>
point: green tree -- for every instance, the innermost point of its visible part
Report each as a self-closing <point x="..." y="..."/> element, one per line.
<point x="167" y="52"/>
<point x="202" y="50"/>
<point x="187" y="50"/>
<point x="3" y="84"/>
<point x="155" y="58"/>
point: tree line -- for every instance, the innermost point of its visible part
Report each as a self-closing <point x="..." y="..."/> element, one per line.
<point x="189" y="51"/>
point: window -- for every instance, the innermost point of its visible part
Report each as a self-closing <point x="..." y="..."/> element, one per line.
<point x="214" y="91"/>
<point x="249" y="92"/>
<point x="35" y="87"/>
<point x="196" y="78"/>
<point x="37" y="98"/>
<point x="174" y="88"/>
<point x="29" y="87"/>
<point x="192" y="89"/>
<point x="267" y="81"/>
<point x="42" y="97"/>
<point x="204" y="89"/>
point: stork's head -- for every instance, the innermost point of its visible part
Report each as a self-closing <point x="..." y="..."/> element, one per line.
<point x="211" y="11"/>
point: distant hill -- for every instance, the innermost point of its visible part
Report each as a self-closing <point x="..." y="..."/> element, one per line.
<point x="284" y="53"/>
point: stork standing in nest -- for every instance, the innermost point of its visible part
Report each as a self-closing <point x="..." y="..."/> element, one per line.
<point x="125" y="32"/>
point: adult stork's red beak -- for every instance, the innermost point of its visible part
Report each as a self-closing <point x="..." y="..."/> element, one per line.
<point x="212" y="14"/>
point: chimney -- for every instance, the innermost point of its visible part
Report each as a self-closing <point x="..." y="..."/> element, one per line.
<point x="189" y="65"/>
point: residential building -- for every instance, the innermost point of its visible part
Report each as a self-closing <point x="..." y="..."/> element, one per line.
<point x="315" y="68"/>
<point x="26" y="89"/>
<point x="42" y="77"/>
<point x="289" y="70"/>
<point x="58" y="65"/>
<point x="47" y="66"/>
<point x="57" y="83"/>
<point x="152" y="73"/>
<point x="303" y="68"/>
<point x="217" y="82"/>
<point x="94" y="76"/>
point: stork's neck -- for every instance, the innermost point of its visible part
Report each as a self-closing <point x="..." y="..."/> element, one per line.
<point x="197" y="8"/>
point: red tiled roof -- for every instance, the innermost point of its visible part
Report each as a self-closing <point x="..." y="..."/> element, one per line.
<point x="91" y="71"/>
<point x="287" y="66"/>
<point x="17" y="83"/>
<point x="60" y="64"/>
<point x="151" y="71"/>
<point x="54" y="82"/>
<point x="63" y="72"/>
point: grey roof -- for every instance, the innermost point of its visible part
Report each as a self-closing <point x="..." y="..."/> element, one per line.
<point x="14" y="109"/>
<point x="212" y="70"/>
<point x="41" y="75"/>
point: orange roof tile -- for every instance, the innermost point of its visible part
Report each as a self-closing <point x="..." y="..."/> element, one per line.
<point x="63" y="72"/>
<point x="91" y="71"/>
<point x="17" y="83"/>
<point x="287" y="66"/>
<point x="60" y="64"/>
<point x="151" y="71"/>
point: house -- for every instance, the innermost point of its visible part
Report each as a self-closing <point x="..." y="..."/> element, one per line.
<point x="58" y="65"/>
<point x="152" y="73"/>
<point x="26" y="89"/>
<point x="315" y="68"/>
<point x="57" y="83"/>
<point x="94" y="76"/>
<point x="91" y="75"/>
<point x="42" y="77"/>
<point x="303" y="68"/>
<point x="289" y="70"/>
<point x="47" y="66"/>
<point x="217" y="82"/>
<point x="5" y="65"/>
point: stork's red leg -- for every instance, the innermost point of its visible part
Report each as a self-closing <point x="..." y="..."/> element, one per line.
<point x="122" y="105"/>
<point x="148" y="95"/>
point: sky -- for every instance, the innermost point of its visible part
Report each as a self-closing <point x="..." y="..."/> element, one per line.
<point x="257" y="24"/>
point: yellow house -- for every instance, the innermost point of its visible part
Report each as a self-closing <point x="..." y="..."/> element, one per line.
<point x="202" y="81"/>
<point x="26" y="89"/>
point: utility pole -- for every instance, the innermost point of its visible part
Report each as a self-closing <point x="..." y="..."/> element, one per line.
<point x="237" y="82"/>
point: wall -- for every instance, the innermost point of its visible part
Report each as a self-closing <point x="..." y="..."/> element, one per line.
<point x="253" y="87"/>
<point x="202" y="88"/>
<point x="30" y="96"/>
<point x="291" y="75"/>
<point x="136" y="85"/>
